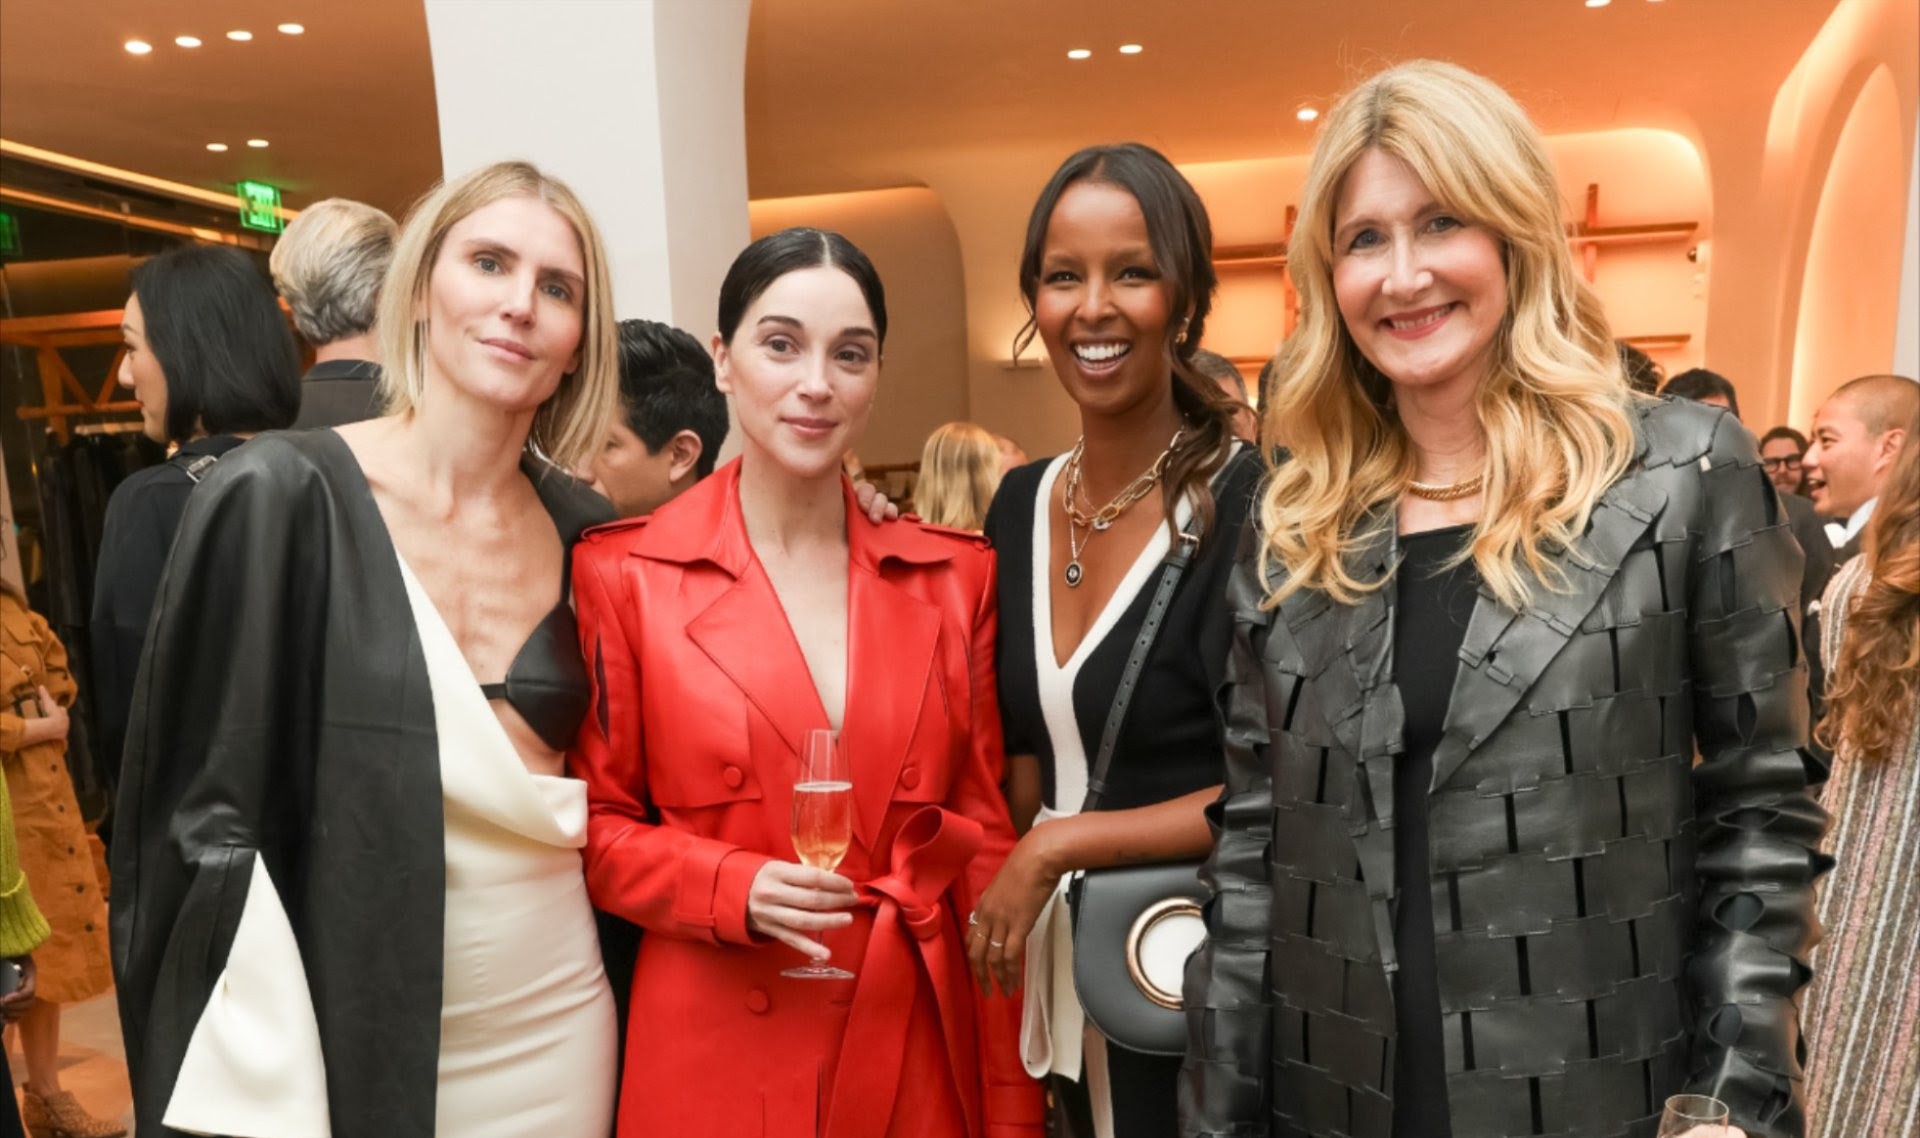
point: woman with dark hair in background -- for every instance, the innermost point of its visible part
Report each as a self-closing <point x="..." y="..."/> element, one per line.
<point x="211" y="361"/>
<point x="1863" y="1069"/>
<point x="743" y="617"/>
<point x="1118" y="277"/>
<point x="1470" y="879"/>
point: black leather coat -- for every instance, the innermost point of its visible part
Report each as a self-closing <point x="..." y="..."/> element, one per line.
<point x="283" y="712"/>
<point x="1615" y="924"/>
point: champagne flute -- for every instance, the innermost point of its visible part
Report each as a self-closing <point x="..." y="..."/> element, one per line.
<point x="1694" y="1116"/>
<point x="822" y="823"/>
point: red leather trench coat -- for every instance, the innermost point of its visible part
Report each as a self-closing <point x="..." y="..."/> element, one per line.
<point x="702" y="699"/>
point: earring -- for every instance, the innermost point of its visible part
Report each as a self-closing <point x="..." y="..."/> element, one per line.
<point x="1182" y="337"/>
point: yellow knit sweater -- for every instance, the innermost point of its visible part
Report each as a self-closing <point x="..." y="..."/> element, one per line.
<point x="22" y="928"/>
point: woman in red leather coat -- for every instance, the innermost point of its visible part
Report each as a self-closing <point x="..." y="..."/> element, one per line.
<point x="719" y="631"/>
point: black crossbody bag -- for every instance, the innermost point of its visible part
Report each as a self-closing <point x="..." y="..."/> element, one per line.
<point x="1135" y="925"/>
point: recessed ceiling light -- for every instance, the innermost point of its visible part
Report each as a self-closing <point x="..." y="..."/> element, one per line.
<point x="217" y="147"/>
<point x="239" y="35"/>
<point x="257" y="143"/>
<point x="1598" y="3"/>
<point x="1306" y="114"/>
<point x="1080" y="53"/>
<point x="138" y="47"/>
<point x="293" y="29"/>
<point x="187" y="41"/>
<point x="1131" y="49"/>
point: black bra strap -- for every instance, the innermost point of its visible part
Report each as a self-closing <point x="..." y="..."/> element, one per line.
<point x="494" y="691"/>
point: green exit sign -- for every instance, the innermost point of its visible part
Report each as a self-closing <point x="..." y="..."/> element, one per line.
<point x="259" y="206"/>
<point x="9" y="235"/>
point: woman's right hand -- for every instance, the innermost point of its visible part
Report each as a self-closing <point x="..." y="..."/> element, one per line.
<point x="791" y="903"/>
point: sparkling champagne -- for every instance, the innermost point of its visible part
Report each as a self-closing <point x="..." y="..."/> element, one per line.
<point x="822" y="823"/>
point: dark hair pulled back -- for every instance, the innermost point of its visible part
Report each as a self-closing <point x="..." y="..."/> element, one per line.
<point x="215" y="327"/>
<point x="1182" y="240"/>
<point x="790" y="250"/>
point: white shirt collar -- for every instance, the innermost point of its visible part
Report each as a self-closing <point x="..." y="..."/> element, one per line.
<point x="1856" y="523"/>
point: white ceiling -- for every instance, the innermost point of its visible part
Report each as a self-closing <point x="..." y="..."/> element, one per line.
<point x="847" y="94"/>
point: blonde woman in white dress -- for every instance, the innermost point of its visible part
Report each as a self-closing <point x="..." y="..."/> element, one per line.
<point x="348" y="887"/>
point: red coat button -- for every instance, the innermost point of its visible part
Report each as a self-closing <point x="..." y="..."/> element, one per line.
<point x="732" y="776"/>
<point x="757" y="1001"/>
<point x="910" y="777"/>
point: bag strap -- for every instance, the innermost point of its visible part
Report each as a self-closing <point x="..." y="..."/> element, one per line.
<point x="1178" y="558"/>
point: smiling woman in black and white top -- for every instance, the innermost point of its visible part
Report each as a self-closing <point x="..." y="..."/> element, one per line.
<point x="1117" y="272"/>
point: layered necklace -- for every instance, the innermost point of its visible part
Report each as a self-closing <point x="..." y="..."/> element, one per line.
<point x="1073" y="493"/>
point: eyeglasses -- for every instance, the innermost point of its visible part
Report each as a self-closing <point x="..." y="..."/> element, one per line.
<point x="1775" y="465"/>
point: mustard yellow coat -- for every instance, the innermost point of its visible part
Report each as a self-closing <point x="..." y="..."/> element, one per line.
<point x="73" y="963"/>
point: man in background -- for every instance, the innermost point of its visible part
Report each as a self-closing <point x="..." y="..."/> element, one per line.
<point x="1856" y="434"/>
<point x="674" y="419"/>
<point x="329" y="266"/>
<point x="1703" y="386"/>
<point x="1233" y="385"/>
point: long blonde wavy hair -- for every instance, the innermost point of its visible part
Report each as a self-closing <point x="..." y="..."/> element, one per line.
<point x="572" y="425"/>
<point x="959" y="471"/>
<point x="1554" y="405"/>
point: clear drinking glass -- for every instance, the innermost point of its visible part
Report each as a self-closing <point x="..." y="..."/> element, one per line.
<point x="822" y="822"/>
<point x="1694" y="1116"/>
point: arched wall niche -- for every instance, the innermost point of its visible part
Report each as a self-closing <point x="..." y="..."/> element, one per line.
<point x="1847" y="309"/>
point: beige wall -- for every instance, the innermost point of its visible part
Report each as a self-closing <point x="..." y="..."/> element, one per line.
<point x="907" y="235"/>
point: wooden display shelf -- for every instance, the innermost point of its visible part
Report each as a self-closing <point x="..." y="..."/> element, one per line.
<point x="62" y="394"/>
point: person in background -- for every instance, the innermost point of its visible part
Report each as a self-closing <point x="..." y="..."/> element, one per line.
<point x="959" y="471"/>
<point x="209" y="357"/>
<point x="22" y="927"/>
<point x="1469" y="879"/>
<point x="1703" y="386"/>
<point x="1781" y="450"/>
<point x="1643" y="375"/>
<point x="720" y="633"/>
<point x="674" y="420"/>
<point x="48" y="838"/>
<point x="346" y="815"/>
<point x="1856" y="434"/>
<point x="1863" y="1068"/>
<point x="1233" y="385"/>
<point x="1012" y="454"/>
<point x="1117" y="274"/>
<point x="329" y="265"/>
<point x="1716" y="390"/>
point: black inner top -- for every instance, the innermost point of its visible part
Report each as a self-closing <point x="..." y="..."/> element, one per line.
<point x="1434" y="602"/>
<point x="547" y="681"/>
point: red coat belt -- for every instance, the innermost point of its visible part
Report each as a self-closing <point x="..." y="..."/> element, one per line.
<point x="930" y="849"/>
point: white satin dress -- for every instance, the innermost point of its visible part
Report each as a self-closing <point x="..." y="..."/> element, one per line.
<point x="527" y="1037"/>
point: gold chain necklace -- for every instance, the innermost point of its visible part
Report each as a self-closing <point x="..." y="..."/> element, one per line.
<point x="1446" y="491"/>
<point x="1073" y="491"/>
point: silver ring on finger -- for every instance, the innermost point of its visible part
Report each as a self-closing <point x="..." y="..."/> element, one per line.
<point x="997" y="943"/>
<point x="973" y="918"/>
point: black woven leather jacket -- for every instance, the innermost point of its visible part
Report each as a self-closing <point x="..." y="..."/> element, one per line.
<point x="1615" y="923"/>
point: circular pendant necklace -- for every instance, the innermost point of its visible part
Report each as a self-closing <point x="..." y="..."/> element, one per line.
<point x="1073" y="492"/>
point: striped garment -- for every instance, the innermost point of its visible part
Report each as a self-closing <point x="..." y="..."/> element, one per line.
<point x="1861" y="1013"/>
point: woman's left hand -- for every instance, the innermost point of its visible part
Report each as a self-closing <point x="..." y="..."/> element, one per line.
<point x="998" y="928"/>
<point x="874" y="504"/>
<point x="16" y="1003"/>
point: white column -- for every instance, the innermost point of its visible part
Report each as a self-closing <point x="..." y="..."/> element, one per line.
<point x="639" y="105"/>
<point x="1906" y="341"/>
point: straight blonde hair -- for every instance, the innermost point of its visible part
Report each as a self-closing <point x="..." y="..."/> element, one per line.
<point x="1554" y="404"/>
<point x="959" y="472"/>
<point x="570" y="427"/>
